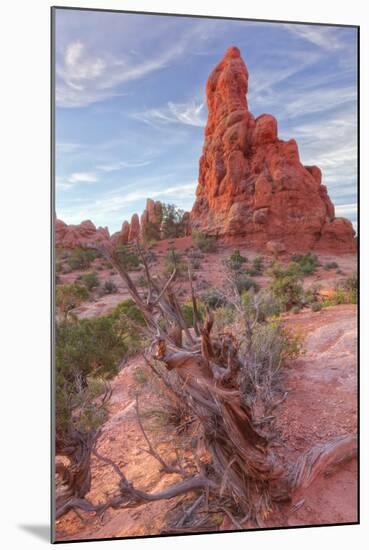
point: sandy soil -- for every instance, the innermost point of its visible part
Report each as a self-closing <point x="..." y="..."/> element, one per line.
<point x="210" y="273"/>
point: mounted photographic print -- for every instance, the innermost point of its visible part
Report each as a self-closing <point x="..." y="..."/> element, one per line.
<point x="205" y="178"/>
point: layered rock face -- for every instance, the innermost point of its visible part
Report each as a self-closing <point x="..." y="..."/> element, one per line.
<point x="251" y="183"/>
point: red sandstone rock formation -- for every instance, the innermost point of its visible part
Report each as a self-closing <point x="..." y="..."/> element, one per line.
<point x="153" y="214"/>
<point x="253" y="184"/>
<point x="72" y="236"/>
<point x="134" y="228"/>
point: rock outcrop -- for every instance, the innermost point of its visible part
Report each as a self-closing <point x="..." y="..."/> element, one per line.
<point x="251" y="183"/>
<point x="72" y="236"/>
<point x="151" y="218"/>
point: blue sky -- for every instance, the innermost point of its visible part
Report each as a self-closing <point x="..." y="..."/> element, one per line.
<point x="130" y="105"/>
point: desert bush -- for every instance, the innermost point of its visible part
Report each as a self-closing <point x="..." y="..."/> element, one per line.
<point x="307" y="263"/>
<point x="206" y="243"/>
<point x="316" y="306"/>
<point x="243" y="282"/>
<point x="109" y="287"/>
<point x="127" y="258"/>
<point x="70" y="296"/>
<point x="224" y="317"/>
<point x="350" y="284"/>
<point x="172" y="222"/>
<point x="150" y="232"/>
<point x="258" y="265"/>
<point x="345" y="292"/>
<point x="235" y="261"/>
<point x="90" y="280"/>
<point x="81" y="258"/>
<point x="174" y="259"/>
<point x="89" y="346"/>
<point x="270" y="347"/>
<point x="331" y="265"/>
<point x="286" y="286"/>
<point x="311" y="295"/>
<point x="85" y="350"/>
<point x="213" y="298"/>
<point x="187" y="312"/>
<point x="128" y="310"/>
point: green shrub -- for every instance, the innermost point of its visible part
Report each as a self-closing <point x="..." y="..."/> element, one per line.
<point x="151" y="232"/>
<point x="213" y="298"/>
<point x="90" y="280"/>
<point x="173" y="223"/>
<point x="307" y="263"/>
<point x="70" y="296"/>
<point x="331" y="265"/>
<point x="345" y="292"/>
<point x="270" y="346"/>
<point x="81" y="258"/>
<point x="109" y="287"/>
<point x="267" y="304"/>
<point x="187" y="312"/>
<point x="311" y="295"/>
<point x="128" y="259"/>
<point x="286" y="286"/>
<point x="173" y="259"/>
<point x="295" y="309"/>
<point x="128" y="310"/>
<point x="224" y="316"/>
<point x="350" y="284"/>
<point x="243" y="282"/>
<point x="206" y="243"/>
<point x="235" y="261"/>
<point x="85" y="350"/>
<point x="316" y="306"/>
<point x="258" y="265"/>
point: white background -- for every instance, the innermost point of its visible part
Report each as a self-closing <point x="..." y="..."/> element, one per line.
<point x="24" y="286"/>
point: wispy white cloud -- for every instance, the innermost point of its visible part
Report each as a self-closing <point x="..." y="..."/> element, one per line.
<point x="68" y="182"/>
<point x="321" y="36"/>
<point x="192" y="113"/>
<point x="84" y="77"/>
<point x="121" y="165"/>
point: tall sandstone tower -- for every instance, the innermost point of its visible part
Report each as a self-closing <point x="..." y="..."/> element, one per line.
<point x="251" y="183"/>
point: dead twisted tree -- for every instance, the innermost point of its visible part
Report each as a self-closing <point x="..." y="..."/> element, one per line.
<point x="243" y="468"/>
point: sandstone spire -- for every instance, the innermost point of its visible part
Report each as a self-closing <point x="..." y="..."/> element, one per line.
<point x="253" y="184"/>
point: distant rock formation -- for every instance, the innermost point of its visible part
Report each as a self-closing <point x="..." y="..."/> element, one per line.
<point x="72" y="236"/>
<point x="251" y="183"/>
<point x="151" y="218"/>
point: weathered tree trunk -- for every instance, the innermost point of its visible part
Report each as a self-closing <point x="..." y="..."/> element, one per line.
<point x="76" y="477"/>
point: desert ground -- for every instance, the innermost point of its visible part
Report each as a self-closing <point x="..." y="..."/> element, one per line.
<point x="320" y="402"/>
